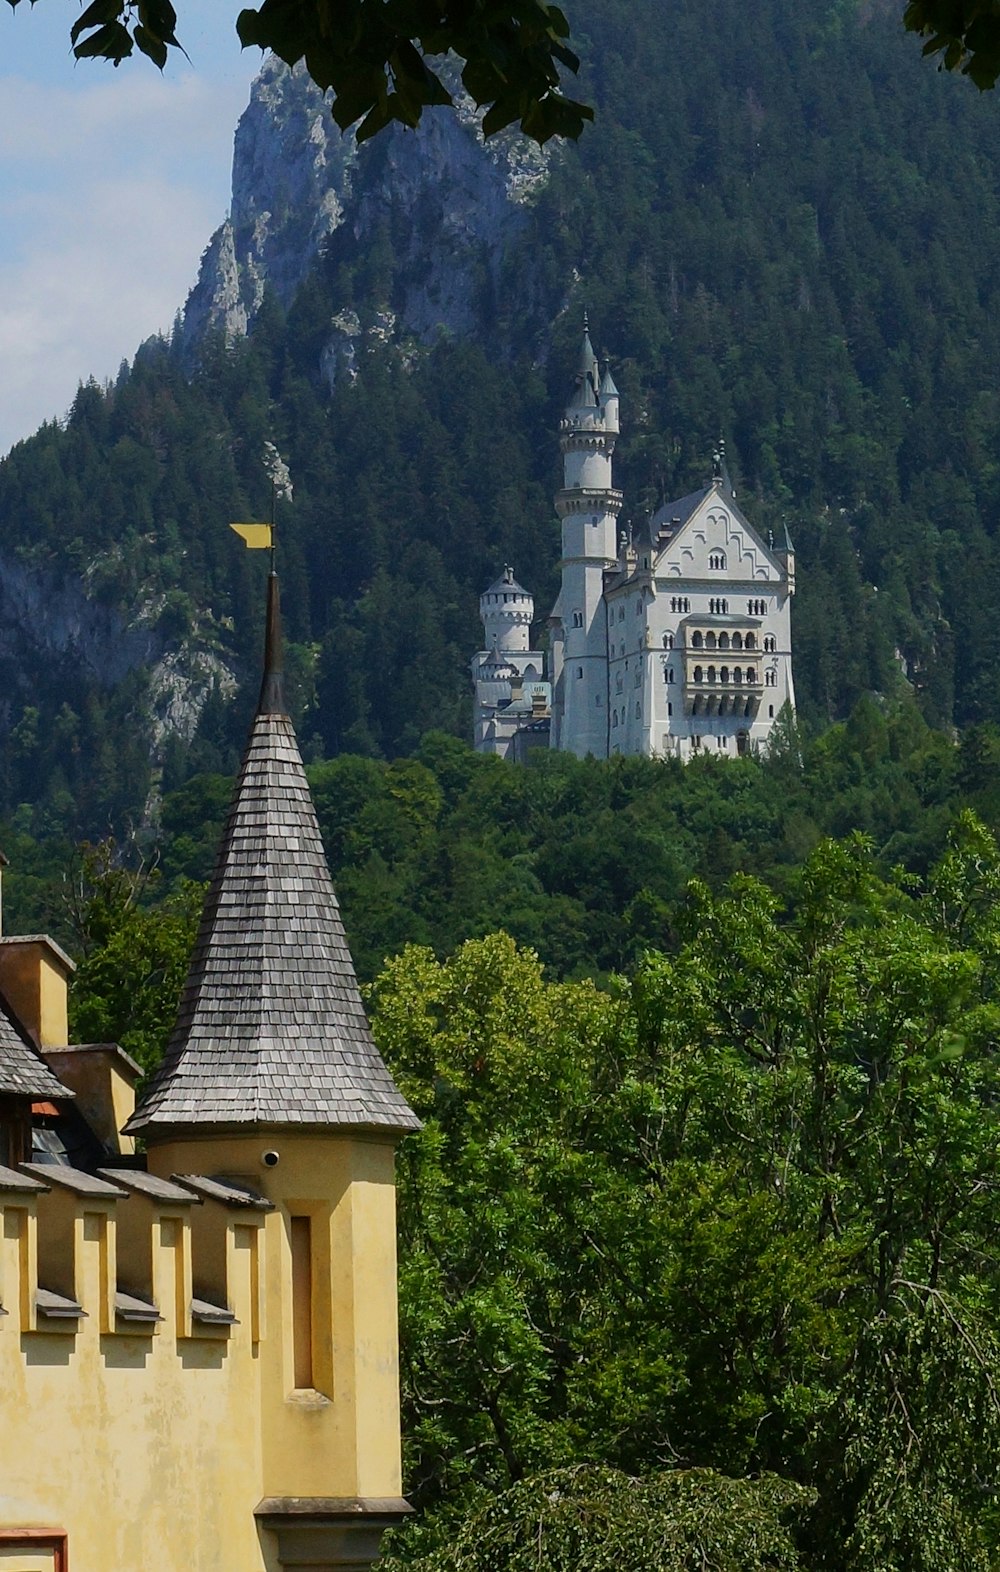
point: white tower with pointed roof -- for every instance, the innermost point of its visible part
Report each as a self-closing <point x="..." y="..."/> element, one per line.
<point x="588" y="506"/>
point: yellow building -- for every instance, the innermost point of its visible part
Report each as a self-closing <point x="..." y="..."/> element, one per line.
<point x="198" y="1348"/>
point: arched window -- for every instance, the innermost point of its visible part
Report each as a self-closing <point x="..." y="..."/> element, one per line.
<point x="738" y="676"/>
<point x="638" y="710"/>
<point x="752" y="675"/>
<point x="769" y="644"/>
<point x="771" y="679"/>
<point x="770" y="711"/>
<point x="737" y="641"/>
<point x="696" y="641"/>
<point x="717" y="561"/>
<point x="614" y="719"/>
<point x="724" y="674"/>
<point x="578" y="619"/>
<point x="697" y="674"/>
<point x="723" y="641"/>
<point x="711" y="673"/>
<point x="749" y="643"/>
<point x="668" y="641"/>
<point x="710" y="641"/>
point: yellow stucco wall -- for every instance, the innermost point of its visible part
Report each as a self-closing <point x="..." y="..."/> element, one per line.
<point x="33" y="977"/>
<point x="154" y="1450"/>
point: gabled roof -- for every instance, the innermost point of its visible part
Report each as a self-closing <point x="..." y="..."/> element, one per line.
<point x="676" y="514"/>
<point x="271" y="1029"/>
<point x="23" y="1072"/>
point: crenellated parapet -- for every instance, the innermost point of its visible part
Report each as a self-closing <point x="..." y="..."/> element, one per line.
<point x="125" y="1254"/>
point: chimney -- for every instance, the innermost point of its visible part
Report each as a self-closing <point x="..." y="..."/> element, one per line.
<point x="34" y="979"/>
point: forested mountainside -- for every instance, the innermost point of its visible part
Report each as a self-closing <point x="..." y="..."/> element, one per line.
<point x="784" y="227"/>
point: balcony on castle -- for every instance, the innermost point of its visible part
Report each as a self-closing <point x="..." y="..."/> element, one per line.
<point x="711" y="688"/>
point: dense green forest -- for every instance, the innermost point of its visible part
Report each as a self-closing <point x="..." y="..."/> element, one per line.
<point x="783" y="225"/>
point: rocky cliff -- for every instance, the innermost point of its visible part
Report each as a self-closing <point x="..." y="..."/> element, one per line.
<point x="451" y="203"/>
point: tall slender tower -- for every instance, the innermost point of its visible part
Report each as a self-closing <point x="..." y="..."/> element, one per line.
<point x="588" y="506"/>
<point x="272" y="1081"/>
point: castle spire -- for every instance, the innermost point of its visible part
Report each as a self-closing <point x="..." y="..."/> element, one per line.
<point x="272" y="688"/>
<point x="271" y="1030"/>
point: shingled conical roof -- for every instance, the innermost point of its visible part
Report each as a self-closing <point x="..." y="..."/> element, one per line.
<point x="271" y="1029"/>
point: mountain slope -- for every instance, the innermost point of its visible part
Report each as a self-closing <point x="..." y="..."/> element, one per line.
<point x="783" y="225"/>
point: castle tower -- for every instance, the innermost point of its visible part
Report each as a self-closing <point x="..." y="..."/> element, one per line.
<point x="507" y="612"/>
<point x="588" y="506"/>
<point x="272" y="1083"/>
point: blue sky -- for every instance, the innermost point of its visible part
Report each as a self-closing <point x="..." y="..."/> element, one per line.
<point x="111" y="182"/>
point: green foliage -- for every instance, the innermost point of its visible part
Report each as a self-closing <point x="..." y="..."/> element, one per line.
<point x="592" y="1519"/>
<point x="735" y="1215"/>
<point x="376" y="57"/>
<point x="133" y="955"/>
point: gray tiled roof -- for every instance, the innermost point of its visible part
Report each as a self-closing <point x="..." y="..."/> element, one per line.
<point x="23" y="1072"/>
<point x="271" y="1029"/>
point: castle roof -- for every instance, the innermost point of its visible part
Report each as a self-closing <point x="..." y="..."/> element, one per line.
<point x="676" y="514"/>
<point x="507" y="584"/>
<point x="271" y="1030"/>
<point x="23" y="1071"/>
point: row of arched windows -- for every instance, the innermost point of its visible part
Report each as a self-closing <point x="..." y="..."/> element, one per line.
<point x="679" y="603"/>
<point x="624" y="715"/>
<point x="757" y="608"/>
<point x="709" y="641"/>
<point x="708" y="674"/>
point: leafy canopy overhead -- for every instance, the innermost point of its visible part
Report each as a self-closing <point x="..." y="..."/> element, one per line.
<point x="378" y="56"/>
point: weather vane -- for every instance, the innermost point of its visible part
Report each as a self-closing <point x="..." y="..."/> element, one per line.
<point x="261" y="537"/>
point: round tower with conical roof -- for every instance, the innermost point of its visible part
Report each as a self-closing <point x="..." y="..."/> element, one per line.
<point x="507" y="612"/>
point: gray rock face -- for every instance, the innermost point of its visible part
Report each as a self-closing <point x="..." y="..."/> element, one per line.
<point x="452" y="202"/>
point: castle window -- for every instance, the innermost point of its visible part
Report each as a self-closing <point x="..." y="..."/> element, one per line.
<point x="618" y="684"/>
<point x="695" y="744"/>
<point x="579" y="673"/>
<point x="710" y="641"/>
<point x="723" y="641"/>
<point x="749" y="643"/>
<point x="724" y="674"/>
<point x="738" y="676"/>
<point x="597" y="700"/>
<point x="670" y="709"/>
<point x="638" y="710"/>
<point x="669" y="674"/>
<point x="668" y="641"/>
<point x="614" y="719"/>
<point x="751" y="674"/>
<point x="769" y="644"/>
<point x="621" y="613"/>
<point x="696" y="641"/>
<point x="578" y="619"/>
<point x="770" y="711"/>
<point x="638" y="607"/>
<point x="697" y="674"/>
<point x="645" y="562"/>
<point x="771" y="679"/>
<point x="711" y="673"/>
<point x="723" y="742"/>
<point x="717" y="561"/>
<point x="737" y="641"/>
<point x="300" y="1239"/>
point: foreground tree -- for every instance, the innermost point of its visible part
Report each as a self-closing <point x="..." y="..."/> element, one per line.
<point x="379" y="57"/>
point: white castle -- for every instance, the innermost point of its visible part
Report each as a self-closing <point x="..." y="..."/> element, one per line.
<point x="674" y="641"/>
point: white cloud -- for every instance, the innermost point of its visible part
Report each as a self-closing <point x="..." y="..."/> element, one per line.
<point x="109" y="192"/>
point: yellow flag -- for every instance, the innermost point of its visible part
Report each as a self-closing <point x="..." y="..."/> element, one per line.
<point x="257" y="536"/>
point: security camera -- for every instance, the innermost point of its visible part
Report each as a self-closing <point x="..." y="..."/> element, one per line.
<point x="270" y="1159"/>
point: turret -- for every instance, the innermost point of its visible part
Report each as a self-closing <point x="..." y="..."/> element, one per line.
<point x="507" y="612"/>
<point x="272" y="1083"/>
<point x="589" y="506"/>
